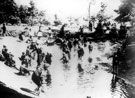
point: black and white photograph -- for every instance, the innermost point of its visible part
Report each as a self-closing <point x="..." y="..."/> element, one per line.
<point x="67" y="48"/>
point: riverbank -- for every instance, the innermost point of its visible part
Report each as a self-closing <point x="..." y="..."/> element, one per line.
<point x="127" y="66"/>
<point x="6" y="92"/>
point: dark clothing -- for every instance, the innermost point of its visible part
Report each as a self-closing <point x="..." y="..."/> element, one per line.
<point x="99" y="29"/>
<point x="21" y="37"/>
<point x="62" y="31"/>
<point x="90" y="26"/>
<point x="33" y="47"/>
<point x="48" y="58"/>
<point x="90" y="48"/>
<point x="80" y="69"/>
<point x="4" y="53"/>
<point x="36" y="78"/>
<point x="23" y="60"/>
<point x="122" y="32"/>
<point x="115" y="63"/>
<point x="69" y="45"/>
<point x="80" y="53"/>
<point x="28" y="53"/>
<point x="4" y="29"/>
<point x="48" y="78"/>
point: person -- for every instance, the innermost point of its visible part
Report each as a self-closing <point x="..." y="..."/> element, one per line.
<point x="39" y="56"/>
<point x="31" y="33"/>
<point x="113" y="32"/>
<point x="11" y="61"/>
<point x="4" y="51"/>
<point x="36" y="78"/>
<point x="21" y="36"/>
<point x="64" y="59"/>
<point x="33" y="46"/>
<point x="28" y="51"/>
<point x="80" y="69"/>
<point x="49" y="32"/>
<point x="99" y="28"/>
<point x="48" y="78"/>
<point x="115" y="63"/>
<point x="40" y="33"/>
<point x="30" y="40"/>
<point x="48" y="58"/>
<point x="122" y="31"/>
<point x="69" y="45"/>
<point x="80" y="52"/>
<point x="62" y="31"/>
<point x="23" y="68"/>
<point x="90" y="25"/>
<point x="90" y="48"/>
<point x="104" y="27"/>
<point x="22" y="58"/>
<point x="4" y="29"/>
<point x="7" y="56"/>
<point x="81" y="29"/>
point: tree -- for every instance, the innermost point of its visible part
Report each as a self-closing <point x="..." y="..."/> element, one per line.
<point x="101" y="14"/>
<point x="8" y="10"/>
<point x="125" y="11"/>
<point x="33" y="11"/>
<point x="23" y="14"/>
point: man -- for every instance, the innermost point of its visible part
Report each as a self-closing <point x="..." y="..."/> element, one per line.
<point x="22" y="58"/>
<point x="115" y="63"/>
<point x="99" y="28"/>
<point x="48" y="58"/>
<point x="36" y="78"/>
<point x="4" y="51"/>
<point x="80" y="52"/>
<point x="39" y="56"/>
<point x="62" y="31"/>
<point x="4" y="29"/>
<point x="21" y="36"/>
<point x="90" y="25"/>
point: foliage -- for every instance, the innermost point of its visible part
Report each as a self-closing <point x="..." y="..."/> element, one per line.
<point x="10" y="12"/>
<point x="101" y="14"/>
<point x="125" y="11"/>
<point x="23" y="14"/>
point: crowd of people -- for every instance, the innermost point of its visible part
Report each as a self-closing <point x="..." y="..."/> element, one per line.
<point x="34" y="63"/>
<point x="67" y="42"/>
<point x="79" y="40"/>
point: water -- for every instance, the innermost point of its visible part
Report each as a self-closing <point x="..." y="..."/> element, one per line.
<point x="95" y="80"/>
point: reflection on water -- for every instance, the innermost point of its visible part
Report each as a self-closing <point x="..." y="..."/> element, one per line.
<point x="93" y="79"/>
<point x="90" y="77"/>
